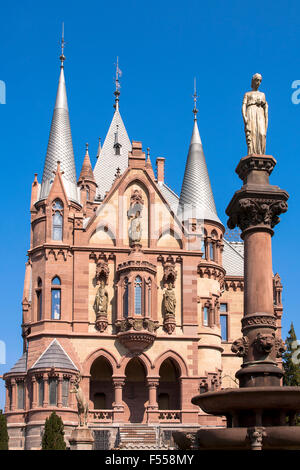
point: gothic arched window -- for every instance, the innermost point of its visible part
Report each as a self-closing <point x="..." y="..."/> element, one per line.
<point x="149" y="292"/>
<point x="125" y="298"/>
<point x="138" y="296"/>
<point x="39" y="299"/>
<point x="211" y="251"/>
<point x="57" y="220"/>
<point x="55" y="298"/>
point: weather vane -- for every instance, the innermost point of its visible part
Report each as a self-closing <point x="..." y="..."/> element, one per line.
<point x="62" y="43"/>
<point x="118" y="75"/>
<point x="195" y="110"/>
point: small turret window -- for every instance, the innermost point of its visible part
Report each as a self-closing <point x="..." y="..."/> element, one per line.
<point x="57" y="220"/>
<point x="138" y="296"/>
<point x="56" y="299"/>
<point x="205" y="316"/>
<point x="39" y="299"/>
<point x="125" y="298"/>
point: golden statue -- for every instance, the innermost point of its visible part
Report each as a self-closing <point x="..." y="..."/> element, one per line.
<point x="101" y="300"/>
<point x="255" y="114"/>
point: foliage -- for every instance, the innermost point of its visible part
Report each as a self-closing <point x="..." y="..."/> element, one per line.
<point x="53" y="438"/>
<point x="291" y="361"/>
<point x="3" y="432"/>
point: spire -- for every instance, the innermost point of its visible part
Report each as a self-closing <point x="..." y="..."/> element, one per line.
<point x="99" y="149"/>
<point x="60" y="145"/>
<point x="118" y="86"/>
<point x="86" y="170"/>
<point x="114" y="151"/>
<point x="196" y="197"/>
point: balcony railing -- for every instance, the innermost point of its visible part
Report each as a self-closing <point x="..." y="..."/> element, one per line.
<point x="170" y="416"/>
<point x="101" y="416"/>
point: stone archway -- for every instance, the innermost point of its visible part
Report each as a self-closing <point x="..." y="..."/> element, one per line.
<point x="168" y="393"/>
<point x="101" y="386"/>
<point x="135" y="392"/>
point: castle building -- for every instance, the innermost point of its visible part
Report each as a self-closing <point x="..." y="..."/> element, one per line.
<point x="128" y="287"/>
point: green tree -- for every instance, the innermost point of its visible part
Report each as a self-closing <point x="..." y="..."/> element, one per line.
<point x="53" y="438"/>
<point x="291" y="361"/>
<point x="3" y="432"/>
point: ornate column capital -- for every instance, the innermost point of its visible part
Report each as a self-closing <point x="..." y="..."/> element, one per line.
<point x="260" y="211"/>
<point x="152" y="382"/>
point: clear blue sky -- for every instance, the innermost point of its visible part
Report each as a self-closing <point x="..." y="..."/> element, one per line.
<point x="161" y="46"/>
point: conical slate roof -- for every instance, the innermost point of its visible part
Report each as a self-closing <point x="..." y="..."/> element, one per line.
<point x="86" y="170"/>
<point x="60" y="147"/>
<point x="108" y="162"/>
<point x="20" y="366"/>
<point x="196" y="197"/>
<point x="54" y="356"/>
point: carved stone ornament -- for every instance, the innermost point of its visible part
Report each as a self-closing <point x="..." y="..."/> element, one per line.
<point x="240" y="346"/>
<point x="137" y="324"/>
<point x="102" y="269"/>
<point x="251" y="321"/>
<point x="265" y="342"/>
<point x="280" y="347"/>
<point x="134" y="215"/>
<point x="169" y="323"/>
<point x="256" y="436"/>
<point x="170" y="273"/>
<point x="252" y="212"/>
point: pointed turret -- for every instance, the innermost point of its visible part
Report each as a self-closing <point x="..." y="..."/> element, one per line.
<point x="196" y="197"/>
<point x="86" y="181"/>
<point x="114" y="152"/>
<point x="60" y="145"/>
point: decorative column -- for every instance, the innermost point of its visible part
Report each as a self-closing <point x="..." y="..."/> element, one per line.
<point x="46" y="390"/>
<point x="118" y="407"/>
<point x="59" y="390"/>
<point x="7" y="397"/>
<point x="152" y="408"/>
<point x="255" y="209"/>
<point x="34" y="391"/>
<point x="13" y="394"/>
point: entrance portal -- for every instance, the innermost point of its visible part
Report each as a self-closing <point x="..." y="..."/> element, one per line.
<point x="135" y="392"/>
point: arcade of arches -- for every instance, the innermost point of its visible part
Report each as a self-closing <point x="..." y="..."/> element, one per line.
<point x="136" y="395"/>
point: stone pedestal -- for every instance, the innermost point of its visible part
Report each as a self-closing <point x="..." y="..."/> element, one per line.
<point x="81" y="439"/>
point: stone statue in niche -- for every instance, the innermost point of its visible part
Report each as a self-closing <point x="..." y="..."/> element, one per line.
<point x="135" y="228"/>
<point x="255" y="115"/>
<point x="134" y="215"/>
<point x="100" y="307"/>
<point x="170" y="300"/>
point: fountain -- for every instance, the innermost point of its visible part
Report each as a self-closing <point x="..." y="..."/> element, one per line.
<point x="261" y="413"/>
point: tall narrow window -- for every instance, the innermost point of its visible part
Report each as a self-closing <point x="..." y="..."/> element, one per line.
<point x="21" y="395"/>
<point x="205" y="316"/>
<point x="65" y="392"/>
<point x="149" y="297"/>
<point x="57" y="220"/>
<point x="87" y="193"/>
<point x="138" y="296"/>
<point x="125" y="298"/>
<point x="211" y="251"/>
<point x="41" y="391"/>
<point x="53" y="391"/>
<point x="55" y="299"/>
<point x="39" y="299"/>
<point x="224" y="322"/>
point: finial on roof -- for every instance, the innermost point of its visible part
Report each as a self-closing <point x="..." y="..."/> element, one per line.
<point x="87" y="148"/>
<point x="195" y="110"/>
<point x="62" y="44"/>
<point x="118" y="86"/>
<point x="99" y="148"/>
<point x="148" y="153"/>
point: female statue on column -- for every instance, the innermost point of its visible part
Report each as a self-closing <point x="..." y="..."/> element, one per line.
<point x="255" y="114"/>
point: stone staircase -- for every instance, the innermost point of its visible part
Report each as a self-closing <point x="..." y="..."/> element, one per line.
<point x="137" y="436"/>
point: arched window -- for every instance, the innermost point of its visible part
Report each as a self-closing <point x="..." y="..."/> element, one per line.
<point x="57" y="220"/>
<point x="39" y="299"/>
<point x="55" y="299"/>
<point x="138" y="296"/>
<point x="125" y="298"/>
<point x="87" y="193"/>
<point x="205" y="315"/>
<point x="53" y="391"/>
